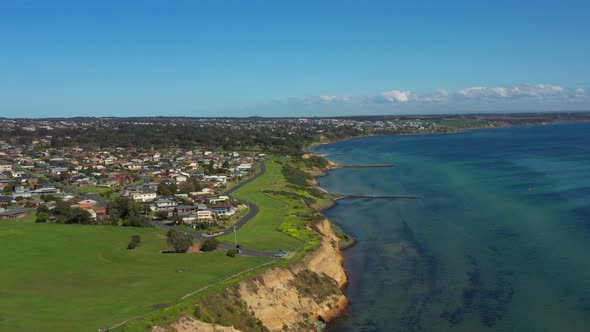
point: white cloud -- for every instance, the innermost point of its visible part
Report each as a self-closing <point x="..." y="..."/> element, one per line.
<point x="324" y="99"/>
<point x="512" y="92"/>
<point x="521" y="95"/>
<point x="396" y="96"/>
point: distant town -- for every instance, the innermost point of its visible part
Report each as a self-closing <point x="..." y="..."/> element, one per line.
<point x="175" y="167"/>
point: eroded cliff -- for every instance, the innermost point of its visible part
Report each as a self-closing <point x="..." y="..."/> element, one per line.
<point x="286" y="299"/>
<point x="292" y="299"/>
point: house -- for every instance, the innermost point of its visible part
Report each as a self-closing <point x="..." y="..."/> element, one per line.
<point x="205" y="215"/>
<point x="203" y="193"/>
<point x="217" y="199"/>
<point x="13" y="214"/>
<point x="6" y="200"/>
<point x="165" y="204"/>
<point x="188" y="218"/>
<point x="101" y="212"/>
<point x="216" y="178"/>
<point x="18" y="174"/>
<point x="86" y="204"/>
<point x="5" y="168"/>
<point x="244" y="167"/>
<point x="180" y="178"/>
<point x="21" y="191"/>
<point x="144" y="196"/>
<point x="46" y="190"/>
<point x="92" y="213"/>
<point x="185" y="209"/>
<point x="223" y="210"/>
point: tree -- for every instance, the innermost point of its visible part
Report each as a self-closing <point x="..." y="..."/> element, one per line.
<point x="136" y="221"/>
<point x="164" y="189"/>
<point x="7" y="190"/>
<point x="210" y="245"/>
<point x="186" y="187"/>
<point x="162" y="215"/>
<point x="181" y="242"/>
<point x="42" y="217"/>
<point x="129" y="211"/>
<point x="78" y="216"/>
<point x="42" y="209"/>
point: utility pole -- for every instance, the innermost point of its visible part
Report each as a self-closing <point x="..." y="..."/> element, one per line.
<point x="235" y="236"/>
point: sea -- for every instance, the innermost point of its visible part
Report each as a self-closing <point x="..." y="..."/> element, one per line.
<point x="498" y="238"/>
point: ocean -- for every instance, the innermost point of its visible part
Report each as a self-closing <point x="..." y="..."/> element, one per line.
<point x="499" y="239"/>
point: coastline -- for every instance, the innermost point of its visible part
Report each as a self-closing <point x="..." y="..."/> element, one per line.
<point x="277" y="277"/>
<point x="451" y="132"/>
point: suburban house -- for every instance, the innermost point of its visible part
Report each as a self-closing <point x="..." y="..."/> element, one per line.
<point x="223" y="210"/>
<point x="222" y="179"/>
<point x="166" y="204"/>
<point x="144" y="196"/>
<point x="21" y="191"/>
<point x="188" y="218"/>
<point x="85" y="204"/>
<point x="205" y="215"/>
<point x="13" y="214"/>
<point x="217" y="199"/>
<point x="6" y="200"/>
<point x="185" y="209"/>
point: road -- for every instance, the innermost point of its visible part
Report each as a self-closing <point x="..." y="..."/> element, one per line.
<point x="200" y="236"/>
<point x="86" y="195"/>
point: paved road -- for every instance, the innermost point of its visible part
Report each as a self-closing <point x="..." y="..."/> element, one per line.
<point x="200" y="236"/>
<point x="86" y="195"/>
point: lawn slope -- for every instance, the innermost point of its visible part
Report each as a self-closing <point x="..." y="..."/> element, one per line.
<point x="82" y="278"/>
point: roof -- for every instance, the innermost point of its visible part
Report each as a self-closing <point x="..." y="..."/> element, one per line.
<point x="12" y="212"/>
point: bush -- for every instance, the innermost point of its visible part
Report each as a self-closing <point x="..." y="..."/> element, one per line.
<point x="210" y="245"/>
<point x="181" y="242"/>
<point x="42" y="217"/>
<point x="296" y="176"/>
<point x="232" y="253"/>
<point x="135" y="241"/>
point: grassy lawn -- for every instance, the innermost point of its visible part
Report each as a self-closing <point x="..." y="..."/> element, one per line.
<point x="81" y="278"/>
<point x="93" y="189"/>
<point x="262" y="231"/>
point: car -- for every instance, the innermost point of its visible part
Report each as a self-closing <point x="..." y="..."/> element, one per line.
<point x="239" y="251"/>
<point x="280" y="253"/>
<point x="239" y="246"/>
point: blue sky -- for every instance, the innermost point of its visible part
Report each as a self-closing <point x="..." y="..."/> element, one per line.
<point x="296" y="58"/>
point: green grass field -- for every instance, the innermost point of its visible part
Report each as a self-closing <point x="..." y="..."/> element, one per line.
<point x="262" y="231"/>
<point x="82" y="278"/>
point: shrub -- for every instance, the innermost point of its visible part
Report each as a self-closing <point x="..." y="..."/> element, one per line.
<point x="232" y="253"/>
<point x="210" y="245"/>
<point x="134" y="243"/>
<point x="181" y="242"/>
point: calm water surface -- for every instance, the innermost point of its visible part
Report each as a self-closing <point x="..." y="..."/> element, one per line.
<point x="499" y="241"/>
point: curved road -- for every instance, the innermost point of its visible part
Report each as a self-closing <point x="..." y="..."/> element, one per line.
<point x="199" y="236"/>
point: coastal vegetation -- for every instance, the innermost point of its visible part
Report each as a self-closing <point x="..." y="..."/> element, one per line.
<point x="286" y="200"/>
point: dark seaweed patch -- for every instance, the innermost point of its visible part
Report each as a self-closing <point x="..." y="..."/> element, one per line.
<point x="582" y="215"/>
<point x="505" y="234"/>
<point x="489" y="303"/>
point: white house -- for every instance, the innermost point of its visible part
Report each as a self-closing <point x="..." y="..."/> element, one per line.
<point x="144" y="196"/>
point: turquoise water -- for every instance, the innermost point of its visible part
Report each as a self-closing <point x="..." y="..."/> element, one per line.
<point x="499" y="241"/>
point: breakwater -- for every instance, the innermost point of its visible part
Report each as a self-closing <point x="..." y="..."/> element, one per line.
<point x="366" y="165"/>
<point x="379" y="196"/>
